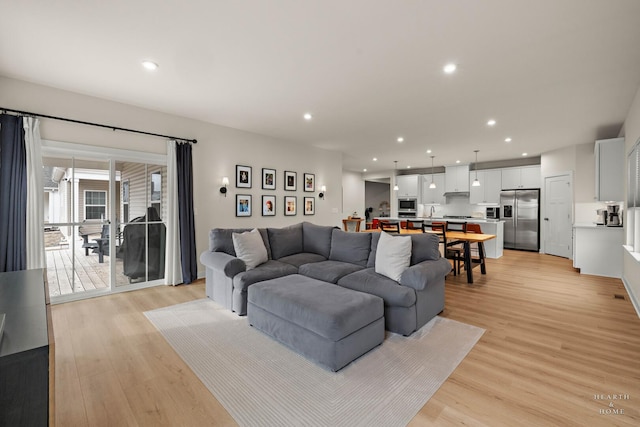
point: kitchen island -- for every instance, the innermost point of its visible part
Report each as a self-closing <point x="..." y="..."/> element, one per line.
<point x="493" y="248"/>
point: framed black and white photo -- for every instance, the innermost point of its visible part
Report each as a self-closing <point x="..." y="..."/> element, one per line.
<point x="309" y="182"/>
<point x="268" y="205"/>
<point x="309" y="205"/>
<point x="268" y="179"/>
<point x="290" y="205"/>
<point x="243" y="176"/>
<point x="243" y="205"/>
<point x="290" y="179"/>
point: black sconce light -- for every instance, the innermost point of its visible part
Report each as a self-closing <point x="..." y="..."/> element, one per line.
<point x="323" y="190"/>
<point x="223" y="189"/>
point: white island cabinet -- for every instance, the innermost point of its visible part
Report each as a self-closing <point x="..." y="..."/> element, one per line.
<point x="598" y="250"/>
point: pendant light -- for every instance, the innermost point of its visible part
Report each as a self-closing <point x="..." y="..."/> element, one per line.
<point x="433" y="184"/>
<point x="395" y="176"/>
<point x="476" y="183"/>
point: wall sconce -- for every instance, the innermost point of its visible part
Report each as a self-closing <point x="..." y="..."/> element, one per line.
<point x="225" y="182"/>
<point x="323" y="190"/>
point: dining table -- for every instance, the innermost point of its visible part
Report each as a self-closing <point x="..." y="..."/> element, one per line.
<point x="467" y="239"/>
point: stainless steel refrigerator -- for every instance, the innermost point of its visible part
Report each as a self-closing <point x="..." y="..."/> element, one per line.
<point x="520" y="211"/>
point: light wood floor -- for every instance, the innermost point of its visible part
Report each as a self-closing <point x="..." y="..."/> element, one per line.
<point x="554" y="340"/>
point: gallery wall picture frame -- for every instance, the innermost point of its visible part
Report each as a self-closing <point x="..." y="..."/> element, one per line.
<point x="309" y="182"/>
<point x="290" y="208"/>
<point x="243" y="176"/>
<point x="309" y="205"/>
<point x="268" y="205"/>
<point x="290" y="180"/>
<point x="268" y="179"/>
<point x="243" y="205"/>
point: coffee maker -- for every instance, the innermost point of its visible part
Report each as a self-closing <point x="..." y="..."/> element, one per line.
<point x="614" y="217"/>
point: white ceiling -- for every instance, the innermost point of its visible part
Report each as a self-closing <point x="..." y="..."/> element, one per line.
<point x="553" y="73"/>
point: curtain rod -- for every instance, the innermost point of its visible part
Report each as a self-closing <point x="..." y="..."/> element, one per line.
<point x="26" y="113"/>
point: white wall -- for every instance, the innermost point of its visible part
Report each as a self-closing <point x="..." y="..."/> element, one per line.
<point x="352" y="194"/>
<point x="631" y="132"/>
<point x="218" y="150"/>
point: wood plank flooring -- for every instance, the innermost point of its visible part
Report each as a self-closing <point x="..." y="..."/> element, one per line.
<point x="557" y="343"/>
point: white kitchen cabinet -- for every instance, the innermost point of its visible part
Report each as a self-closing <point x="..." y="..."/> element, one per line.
<point x="433" y="195"/>
<point x="407" y="185"/>
<point x="598" y="250"/>
<point x="521" y="177"/>
<point x="610" y="166"/>
<point x="493" y="248"/>
<point x="490" y="186"/>
<point x="457" y="178"/>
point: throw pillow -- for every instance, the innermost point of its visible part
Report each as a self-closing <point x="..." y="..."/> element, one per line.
<point x="250" y="248"/>
<point x="393" y="255"/>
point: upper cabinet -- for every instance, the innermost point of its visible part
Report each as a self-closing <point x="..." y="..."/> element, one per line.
<point x="457" y="179"/>
<point x="521" y="177"/>
<point x="609" y="154"/>
<point x="407" y="185"/>
<point x="433" y="196"/>
<point x="490" y="186"/>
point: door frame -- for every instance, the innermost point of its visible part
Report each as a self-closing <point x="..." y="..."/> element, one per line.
<point x="543" y="208"/>
<point x="59" y="149"/>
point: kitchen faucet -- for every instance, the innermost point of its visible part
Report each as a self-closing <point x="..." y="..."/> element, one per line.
<point x="432" y="210"/>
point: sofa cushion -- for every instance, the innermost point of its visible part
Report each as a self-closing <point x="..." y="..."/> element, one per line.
<point x="221" y="240"/>
<point x="269" y="270"/>
<point x="350" y="247"/>
<point x="393" y="255"/>
<point x="250" y="248"/>
<point x="375" y="237"/>
<point x="369" y="281"/>
<point x="316" y="238"/>
<point x="285" y="241"/>
<point x="328" y="271"/>
<point x="424" y="247"/>
<point x="302" y="258"/>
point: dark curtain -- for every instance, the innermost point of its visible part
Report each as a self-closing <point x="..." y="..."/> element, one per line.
<point x="185" y="212"/>
<point x="13" y="195"/>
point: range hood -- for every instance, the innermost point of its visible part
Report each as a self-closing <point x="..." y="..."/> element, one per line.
<point x="457" y="194"/>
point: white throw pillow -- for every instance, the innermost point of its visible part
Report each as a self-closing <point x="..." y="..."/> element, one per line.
<point x="250" y="248"/>
<point x="393" y="255"/>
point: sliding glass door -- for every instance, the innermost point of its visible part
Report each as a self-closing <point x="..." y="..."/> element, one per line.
<point x="104" y="222"/>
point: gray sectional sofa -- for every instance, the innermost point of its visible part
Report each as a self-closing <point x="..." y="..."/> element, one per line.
<point x="331" y="255"/>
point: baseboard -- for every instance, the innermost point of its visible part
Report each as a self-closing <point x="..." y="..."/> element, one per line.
<point x="632" y="296"/>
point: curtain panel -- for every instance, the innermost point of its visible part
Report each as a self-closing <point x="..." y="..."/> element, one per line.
<point x="185" y="206"/>
<point x="13" y="194"/>
<point x="35" y="204"/>
<point x="173" y="272"/>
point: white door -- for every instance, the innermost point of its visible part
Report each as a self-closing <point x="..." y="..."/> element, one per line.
<point x="557" y="215"/>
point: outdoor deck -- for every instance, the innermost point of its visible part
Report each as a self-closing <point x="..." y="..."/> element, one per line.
<point x="89" y="273"/>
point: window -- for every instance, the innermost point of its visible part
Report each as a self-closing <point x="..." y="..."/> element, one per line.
<point x="156" y="191"/>
<point x="633" y="199"/>
<point x="95" y="204"/>
<point x="125" y="201"/>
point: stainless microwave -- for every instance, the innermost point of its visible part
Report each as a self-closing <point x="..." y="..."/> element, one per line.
<point x="407" y="205"/>
<point x="493" y="212"/>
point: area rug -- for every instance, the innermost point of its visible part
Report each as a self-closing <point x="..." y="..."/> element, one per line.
<point x="263" y="383"/>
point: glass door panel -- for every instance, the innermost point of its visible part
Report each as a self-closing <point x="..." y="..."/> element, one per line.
<point x="77" y="224"/>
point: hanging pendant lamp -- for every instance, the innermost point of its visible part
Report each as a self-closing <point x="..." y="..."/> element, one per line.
<point x="395" y="176"/>
<point x="433" y="184"/>
<point x="476" y="183"/>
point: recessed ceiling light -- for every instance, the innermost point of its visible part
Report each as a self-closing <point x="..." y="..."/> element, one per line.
<point x="150" y="65"/>
<point x="400" y="139"/>
<point x="428" y="151"/>
<point x="307" y="116"/>
<point x="457" y="161"/>
<point x="364" y="170"/>
<point x="507" y="140"/>
<point x="375" y="159"/>
<point x="491" y="122"/>
<point x="408" y="167"/>
<point x="525" y="154"/>
<point x="450" y="68"/>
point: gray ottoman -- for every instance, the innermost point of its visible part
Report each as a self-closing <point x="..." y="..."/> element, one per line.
<point x="324" y="322"/>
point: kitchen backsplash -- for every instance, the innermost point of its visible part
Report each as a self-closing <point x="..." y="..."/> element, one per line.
<point x="585" y="213"/>
<point x="456" y="207"/>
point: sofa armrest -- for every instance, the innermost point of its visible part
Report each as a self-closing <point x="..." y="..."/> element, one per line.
<point x="221" y="261"/>
<point x="419" y="276"/>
